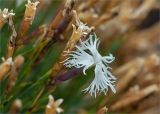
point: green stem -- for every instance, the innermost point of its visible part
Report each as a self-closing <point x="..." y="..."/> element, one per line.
<point x="37" y="98"/>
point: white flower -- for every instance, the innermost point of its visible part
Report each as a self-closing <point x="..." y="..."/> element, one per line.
<point x="86" y="55"/>
<point x="53" y="105"/>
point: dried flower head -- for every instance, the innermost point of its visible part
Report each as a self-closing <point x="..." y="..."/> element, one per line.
<point x="87" y="56"/>
<point x="53" y="106"/>
<point x="82" y="26"/>
<point x="31" y="10"/>
<point x="4" y="15"/>
<point x="29" y="16"/>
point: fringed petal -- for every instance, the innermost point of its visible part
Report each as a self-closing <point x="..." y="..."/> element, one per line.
<point x="101" y="82"/>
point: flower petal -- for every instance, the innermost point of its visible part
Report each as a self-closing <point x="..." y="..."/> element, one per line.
<point x="59" y="110"/>
<point x="58" y="102"/>
<point x="108" y="59"/>
<point x="101" y="81"/>
<point x="79" y="59"/>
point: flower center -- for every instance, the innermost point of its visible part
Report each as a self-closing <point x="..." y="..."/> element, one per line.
<point x="97" y="58"/>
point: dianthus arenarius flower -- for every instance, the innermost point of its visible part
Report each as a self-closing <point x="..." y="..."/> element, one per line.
<point x="85" y="56"/>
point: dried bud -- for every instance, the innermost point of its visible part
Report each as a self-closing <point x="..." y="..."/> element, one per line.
<point x="5" y="67"/>
<point x="4" y="15"/>
<point x="18" y="61"/>
<point x="14" y="72"/>
<point x="27" y="21"/>
<point x="16" y="106"/>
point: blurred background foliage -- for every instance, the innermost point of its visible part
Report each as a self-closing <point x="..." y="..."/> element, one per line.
<point x="125" y="36"/>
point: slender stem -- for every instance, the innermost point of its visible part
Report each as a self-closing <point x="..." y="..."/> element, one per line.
<point x="36" y="99"/>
